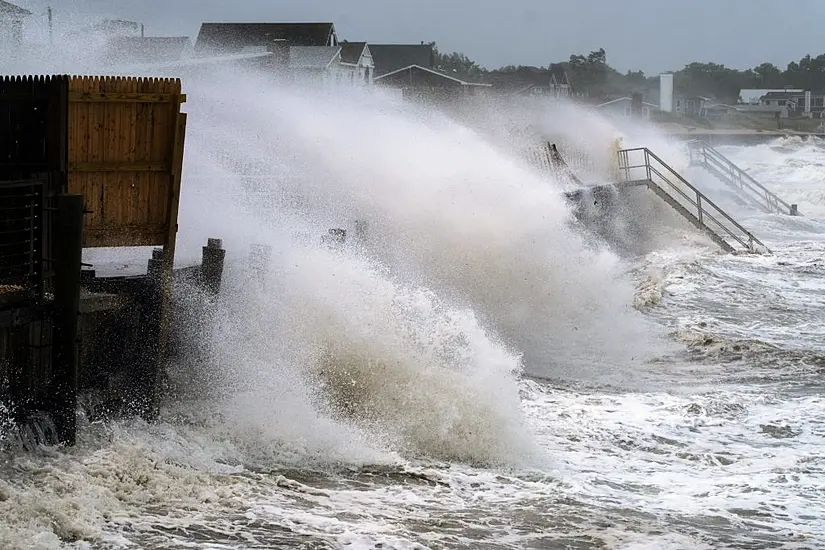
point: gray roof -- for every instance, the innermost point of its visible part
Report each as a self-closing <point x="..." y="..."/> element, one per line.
<point x="312" y="57"/>
<point x="391" y="57"/>
<point x="9" y="9"/>
<point x="351" y="52"/>
<point x="147" y="49"/>
<point x="234" y="37"/>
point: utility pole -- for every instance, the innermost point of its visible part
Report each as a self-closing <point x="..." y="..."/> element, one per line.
<point x="51" y="34"/>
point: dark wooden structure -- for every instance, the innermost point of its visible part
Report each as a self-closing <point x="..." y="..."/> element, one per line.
<point x="85" y="162"/>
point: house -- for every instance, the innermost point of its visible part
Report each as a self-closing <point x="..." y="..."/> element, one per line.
<point x="533" y="81"/>
<point x="752" y="96"/>
<point x="425" y="82"/>
<point x="235" y="38"/>
<point x="358" y="57"/>
<point x="148" y="49"/>
<point x="623" y="107"/>
<point x="389" y="58"/>
<point x="319" y="63"/>
<point x="11" y="24"/>
<point x="560" y="85"/>
<point x="798" y="103"/>
<point x="411" y="69"/>
<point x="690" y="105"/>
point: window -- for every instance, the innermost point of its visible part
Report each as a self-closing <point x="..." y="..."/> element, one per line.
<point x="782" y="102"/>
<point x="645" y="112"/>
<point x="627" y="111"/>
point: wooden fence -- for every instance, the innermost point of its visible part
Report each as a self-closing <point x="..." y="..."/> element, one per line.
<point x="125" y="153"/>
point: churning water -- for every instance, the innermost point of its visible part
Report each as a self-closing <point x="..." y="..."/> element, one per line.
<point x="477" y="372"/>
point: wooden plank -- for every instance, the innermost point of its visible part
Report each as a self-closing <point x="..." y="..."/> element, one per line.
<point x="124" y="235"/>
<point x="125" y="97"/>
<point x="121" y="153"/>
<point x="174" y="188"/>
<point x="115" y="166"/>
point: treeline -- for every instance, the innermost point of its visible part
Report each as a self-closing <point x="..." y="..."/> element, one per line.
<point x="592" y="75"/>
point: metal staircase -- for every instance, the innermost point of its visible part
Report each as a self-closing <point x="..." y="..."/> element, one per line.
<point x="641" y="167"/>
<point x="756" y="194"/>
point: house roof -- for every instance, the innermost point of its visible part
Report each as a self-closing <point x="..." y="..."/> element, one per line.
<point x="526" y="78"/>
<point x="149" y="48"/>
<point x="753" y="95"/>
<point x="8" y="9"/>
<point x="436" y="72"/>
<point x="558" y="72"/>
<point x="351" y="52"/>
<point x="312" y="57"/>
<point x="234" y="37"/>
<point x="391" y="57"/>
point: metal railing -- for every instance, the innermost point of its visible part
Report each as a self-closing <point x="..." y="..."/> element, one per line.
<point x="702" y="154"/>
<point x="687" y="199"/>
<point x="548" y="160"/>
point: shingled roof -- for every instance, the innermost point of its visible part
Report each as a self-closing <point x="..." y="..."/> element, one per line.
<point x="312" y="57"/>
<point x="235" y="37"/>
<point x="8" y="9"/>
<point x="351" y="52"/>
<point x="391" y="57"/>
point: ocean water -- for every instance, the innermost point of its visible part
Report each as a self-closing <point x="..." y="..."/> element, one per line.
<point x="479" y="373"/>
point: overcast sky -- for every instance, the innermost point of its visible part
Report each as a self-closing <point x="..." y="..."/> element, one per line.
<point x="652" y="35"/>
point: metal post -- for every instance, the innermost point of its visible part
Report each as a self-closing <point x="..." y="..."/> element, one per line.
<point x="68" y="252"/>
<point x="212" y="266"/>
<point x="647" y="165"/>
<point x="699" y="206"/>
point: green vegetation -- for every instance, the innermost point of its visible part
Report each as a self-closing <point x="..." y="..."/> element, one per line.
<point x="592" y="76"/>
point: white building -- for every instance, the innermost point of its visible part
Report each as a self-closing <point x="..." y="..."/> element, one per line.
<point x="622" y="108"/>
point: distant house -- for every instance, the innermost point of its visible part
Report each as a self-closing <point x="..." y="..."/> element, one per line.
<point x="389" y="58"/>
<point x="11" y="24"/>
<point x="411" y="69"/>
<point x="691" y="105"/>
<point x="533" y="81"/>
<point x="797" y="103"/>
<point x="358" y="57"/>
<point x="622" y="108"/>
<point x="752" y="96"/>
<point x="235" y="38"/>
<point x="320" y="63"/>
<point x="149" y="49"/>
<point x="416" y="80"/>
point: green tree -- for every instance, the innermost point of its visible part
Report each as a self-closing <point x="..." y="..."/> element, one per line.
<point x="457" y="64"/>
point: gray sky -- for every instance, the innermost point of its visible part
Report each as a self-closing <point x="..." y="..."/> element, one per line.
<point x="652" y="35"/>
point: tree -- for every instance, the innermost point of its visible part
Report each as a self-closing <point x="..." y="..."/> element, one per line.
<point x="457" y="63"/>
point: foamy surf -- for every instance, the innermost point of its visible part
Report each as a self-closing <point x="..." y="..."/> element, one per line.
<point x="374" y="396"/>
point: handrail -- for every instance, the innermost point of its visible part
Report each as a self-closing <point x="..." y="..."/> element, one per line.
<point x="744" y="179"/>
<point x="700" y="201"/>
